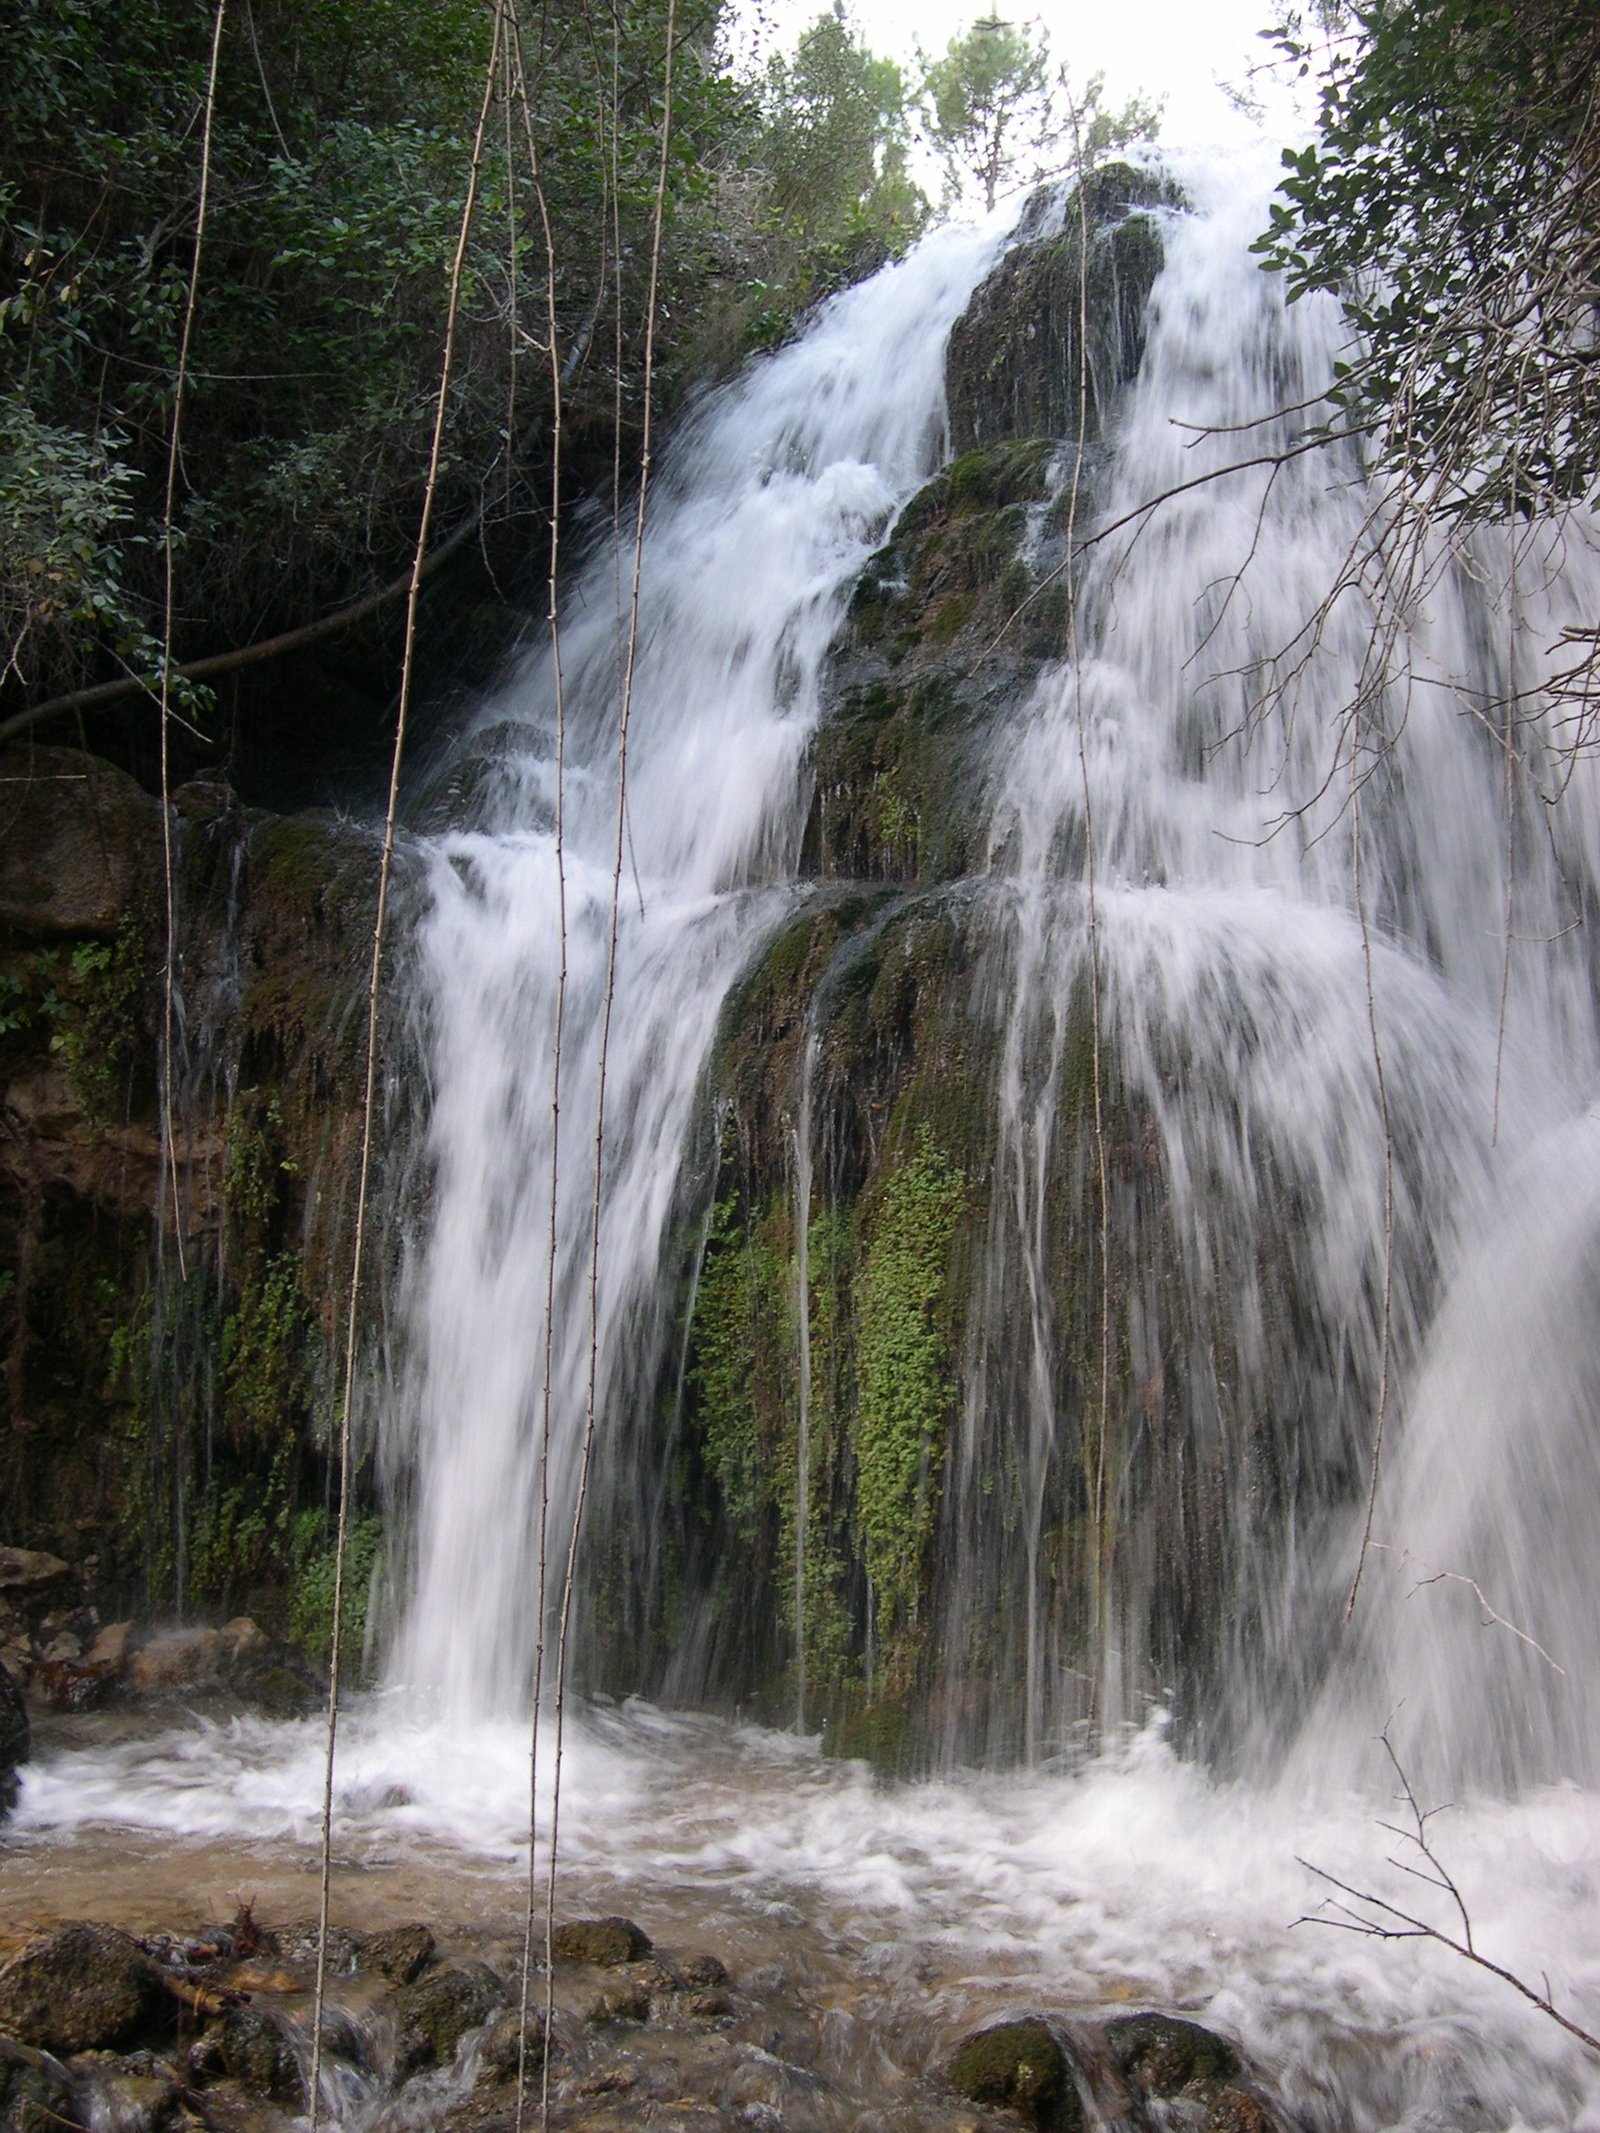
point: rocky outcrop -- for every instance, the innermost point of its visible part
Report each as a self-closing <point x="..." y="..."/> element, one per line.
<point x="1057" y="328"/>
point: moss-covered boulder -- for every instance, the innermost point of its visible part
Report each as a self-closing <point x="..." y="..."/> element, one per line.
<point x="1020" y="362"/>
<point x="1022" y="2066"/>
<point x="83" y="1988"/>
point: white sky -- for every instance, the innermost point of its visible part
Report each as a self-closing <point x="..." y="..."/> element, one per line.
<point x="1176" y="48"/>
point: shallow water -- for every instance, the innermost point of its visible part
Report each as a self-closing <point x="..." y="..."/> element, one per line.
<point x="912" y="1910"/>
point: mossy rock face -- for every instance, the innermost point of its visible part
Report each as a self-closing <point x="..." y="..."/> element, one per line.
<point x="1165" y="2055"/>
<point x="949" y="624"/>
<point x="1019" y="363"/>
<point x="1020" y="2066"/>
<point x="83" y="1988"/>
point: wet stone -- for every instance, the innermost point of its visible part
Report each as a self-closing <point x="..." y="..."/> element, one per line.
<point x="434" y="2014"/>
<point x="603" y="1941"/>
<point x="35" y="2095"/>
<point x="82" y="1988"/>
<point x="1165" y="2055"/>
<point x="502" y="2047"/>
<point x="136" y="2095"/>
<point x="625" y="2003"/>
<point x="705" y="1970"/>
<point x="258" y="2052"/>
<point x="1235" y="2109"/>
<point x="1020" y="2066"/>
<point x="709" y="2004"/>
<point x="401" y="1954"/>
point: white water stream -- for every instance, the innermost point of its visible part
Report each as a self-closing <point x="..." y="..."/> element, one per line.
<point x="1235" y="995"/>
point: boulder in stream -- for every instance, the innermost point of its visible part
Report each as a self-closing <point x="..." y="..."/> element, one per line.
<point x="83" y="1988"/>
<point x="1166" y="2056"/>
<point x="434" y="2014"/>
<point x="1023" y="2066"/>
<point x="605" y="1941"/>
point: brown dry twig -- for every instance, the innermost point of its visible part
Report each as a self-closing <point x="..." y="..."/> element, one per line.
<point x="1376" y="1918"/>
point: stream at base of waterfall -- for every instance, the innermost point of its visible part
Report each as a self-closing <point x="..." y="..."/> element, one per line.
<point x="1255" y="919"/>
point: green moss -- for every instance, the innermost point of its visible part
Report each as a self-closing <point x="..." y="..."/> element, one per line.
<point x="311" y="1567"/>
<point x="907" y="1381"/>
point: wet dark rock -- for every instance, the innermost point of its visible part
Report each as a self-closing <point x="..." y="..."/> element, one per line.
<point x="705" y="1970"/>
<point x="83" y="1988"/>
<point x="30" y="1569"/>
<point x="257" y="2050"/>
<point x="1022" y="2066"/>
<point x="605" y="1941"/>
<point x="125" y="2095"/>
<point x="80" y="844"/>
<point x="297" y="1944"/>
<point x="1236" y="2109"/>
<point x="624" y="2003"/>
<point x="16" y="1741"/>
<point x="401" y="1954"/>
<point x="1164" y="2055"/>
<point x="708" y="2004"/>
<point x="35" y="2091"/>
<point x="502" y="2046"/>
<point x="177" y="1659"/>
<point x="434" y="2014"/>
<point x="1018" y="363"/>
<point x="73" y="1684"/>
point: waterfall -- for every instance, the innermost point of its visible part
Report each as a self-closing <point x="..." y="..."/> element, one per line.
<point x="768" y="503"/>
<point x="1281" y="1115"/>
<point x="1312" y="936"/>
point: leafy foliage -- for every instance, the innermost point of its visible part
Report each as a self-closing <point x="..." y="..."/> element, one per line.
<point x="1000" y="112"/>
<point x="1451" y="200"/>
<point x="342" y="146"/>
<point x="906" y="1379"/>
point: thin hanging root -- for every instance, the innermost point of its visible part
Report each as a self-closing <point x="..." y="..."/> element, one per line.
<point x="553" y="340"/>
<point x="168" y="608"/>
<point x="374" y="980"/>
<point x="569" y="1578"/>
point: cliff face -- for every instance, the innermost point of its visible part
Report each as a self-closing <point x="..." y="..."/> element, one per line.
<point x="166" y="1311"/>
<point x="168" y="1386"/>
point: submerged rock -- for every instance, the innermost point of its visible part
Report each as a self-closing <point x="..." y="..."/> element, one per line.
<point x="83" y="1988"/>
<point x="35" y="2091"/>
<point x="1023" y="2066"/>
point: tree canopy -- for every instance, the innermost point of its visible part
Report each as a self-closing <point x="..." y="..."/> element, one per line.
<point x="1000" y="111"/>
<point x="1451" y="198"/>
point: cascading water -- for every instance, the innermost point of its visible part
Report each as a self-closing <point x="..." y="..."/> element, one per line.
<point x="770" y="501"/>
<point x="1314" y="932"/>
<point x="1281" y="901"/>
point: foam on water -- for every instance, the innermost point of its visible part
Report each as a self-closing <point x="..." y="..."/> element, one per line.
<point x="1136" y="1880"/>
